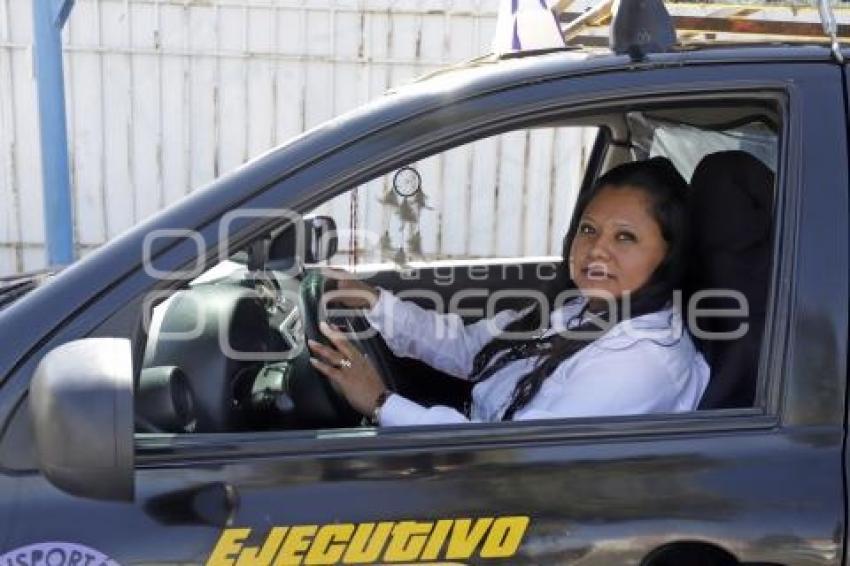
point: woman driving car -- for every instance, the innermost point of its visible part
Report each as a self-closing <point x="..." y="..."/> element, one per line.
<point x="617" y="347"/>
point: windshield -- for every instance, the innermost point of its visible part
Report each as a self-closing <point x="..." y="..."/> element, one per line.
<point x="14" y="287"/>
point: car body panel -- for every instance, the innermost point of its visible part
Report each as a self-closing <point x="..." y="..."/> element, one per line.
<point x="765" y="484"/>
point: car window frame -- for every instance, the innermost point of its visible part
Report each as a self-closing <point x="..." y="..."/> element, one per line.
<point x="152" y="446"/>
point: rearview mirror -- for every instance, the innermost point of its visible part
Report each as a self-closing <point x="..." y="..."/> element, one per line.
<point x="321" y="238"/>
<point x="320" y="242"/>
<point x="81" y="401"/>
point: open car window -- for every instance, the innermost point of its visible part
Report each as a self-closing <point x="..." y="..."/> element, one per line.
<point x="473" y="221"/>
<point x="504" y="196"/>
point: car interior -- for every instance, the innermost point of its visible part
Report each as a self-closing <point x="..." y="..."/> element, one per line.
<point x="269" y="297"/>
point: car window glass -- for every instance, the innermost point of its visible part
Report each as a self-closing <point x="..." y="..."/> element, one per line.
<point x="685" y="144"/>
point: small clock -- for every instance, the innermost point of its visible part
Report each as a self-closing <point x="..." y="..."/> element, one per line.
<point x="407" y="182"/>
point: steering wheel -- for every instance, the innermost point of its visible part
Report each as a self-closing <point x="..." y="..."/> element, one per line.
<point x="317" y="402"/>
<point x="195" y="327"/>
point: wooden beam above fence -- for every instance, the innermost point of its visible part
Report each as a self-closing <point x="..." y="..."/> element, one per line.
<point x="695" y="18"/>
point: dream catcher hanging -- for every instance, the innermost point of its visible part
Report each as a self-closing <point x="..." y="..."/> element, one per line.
<point x="406" y="200"/>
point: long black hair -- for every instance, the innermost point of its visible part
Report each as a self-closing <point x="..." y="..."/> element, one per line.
<point x="668" y="193"/>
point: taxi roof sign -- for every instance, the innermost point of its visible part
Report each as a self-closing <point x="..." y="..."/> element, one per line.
<point x="527" y="25"/>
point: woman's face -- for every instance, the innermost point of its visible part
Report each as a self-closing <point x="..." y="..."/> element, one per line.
<point x="618" y="244"/>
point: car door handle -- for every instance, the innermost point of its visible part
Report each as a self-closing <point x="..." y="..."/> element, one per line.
<point x="213" y="504"/>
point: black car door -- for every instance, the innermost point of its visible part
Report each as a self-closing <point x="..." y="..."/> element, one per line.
<point x="763" y="484"/>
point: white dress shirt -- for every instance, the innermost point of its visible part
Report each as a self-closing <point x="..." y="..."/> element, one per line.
<point x="644" y="365"/>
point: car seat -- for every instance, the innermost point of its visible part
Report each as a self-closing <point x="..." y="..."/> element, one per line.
<point x="731" y="218"/>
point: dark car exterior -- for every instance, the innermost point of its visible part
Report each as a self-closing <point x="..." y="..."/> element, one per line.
<point x="759" y="485"/>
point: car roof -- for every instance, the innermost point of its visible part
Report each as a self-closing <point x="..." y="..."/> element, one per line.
<point x="731" y="52"/>
<point x="519" y="67"/>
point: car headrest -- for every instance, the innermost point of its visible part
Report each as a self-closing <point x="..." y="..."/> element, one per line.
<point x="731" y="219"/>
<point x="732" y="202"/>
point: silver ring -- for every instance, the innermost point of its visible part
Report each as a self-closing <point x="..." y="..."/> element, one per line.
<point x="345" y="363"/>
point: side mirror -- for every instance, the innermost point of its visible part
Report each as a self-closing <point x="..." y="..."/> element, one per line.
<point x="81" y="401"/>
<point x="317" y="241"/>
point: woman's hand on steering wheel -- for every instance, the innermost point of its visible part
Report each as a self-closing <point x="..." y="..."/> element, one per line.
<point x="350" y="291"/>
<point x="349" y="370"/>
